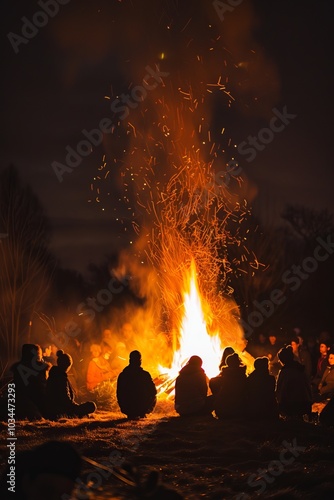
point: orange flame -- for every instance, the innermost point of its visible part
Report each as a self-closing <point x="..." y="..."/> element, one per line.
<point x="194" y="338"/>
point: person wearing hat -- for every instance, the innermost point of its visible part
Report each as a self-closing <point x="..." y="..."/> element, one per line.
<point x="135" y="391"/>
<point x="191" y="389"/>
<point x="60" y="395"/>
<point x="230" y="401"/>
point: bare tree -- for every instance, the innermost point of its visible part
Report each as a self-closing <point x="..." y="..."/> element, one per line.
<point x="25" y="262"/>
<point x="308" y="223"/>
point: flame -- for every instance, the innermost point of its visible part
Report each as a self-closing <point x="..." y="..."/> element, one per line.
<point x="193" y="337"/>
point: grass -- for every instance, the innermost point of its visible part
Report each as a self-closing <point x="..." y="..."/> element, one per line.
<point x="201" y="457"/>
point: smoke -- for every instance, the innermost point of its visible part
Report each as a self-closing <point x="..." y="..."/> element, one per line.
<point x="177" y="71"/>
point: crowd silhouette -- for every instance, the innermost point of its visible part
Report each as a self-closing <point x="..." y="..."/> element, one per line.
<point x="286" y="380"/>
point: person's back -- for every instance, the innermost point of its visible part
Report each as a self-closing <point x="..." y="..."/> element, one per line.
<point x="136" y="392"/>
<point x="293" y="391"/>
<point x="215" y="382"/>
<point x="261" y="401"/>
<point x="191" y="388"/>
<point x="60" y="394"/>
<point x="30" y="376"/>
<point x="230" y="401"/>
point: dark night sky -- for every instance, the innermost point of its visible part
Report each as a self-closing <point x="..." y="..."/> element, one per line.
<point x="55" y="87"/>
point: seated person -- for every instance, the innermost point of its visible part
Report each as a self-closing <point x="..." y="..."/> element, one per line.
<point x="293" y="390"/>
<point x="214" y="382"/>
<point x="261" y="401"/>
<point x="191" y="389"/>
<point x="326" y="416"/>
<point x="98" y="368"/>
<point x="326" y="385"/>
<point x="136" y="392"/>
<point x="30" y="375"/>
<point x="60" y="394"/>
<point x="322" y="364"/>
<point x="229" y="402"/>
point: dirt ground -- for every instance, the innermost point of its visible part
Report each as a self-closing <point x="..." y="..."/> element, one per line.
<point x="200" y="457"/>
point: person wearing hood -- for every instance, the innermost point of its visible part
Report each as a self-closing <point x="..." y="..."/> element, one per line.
<point x="261" y="401"/>
<point x="191" y="389"/>
<point x="215" y="382"/>
<point x="229" y="402"/>
<point x="293" y="390"/>
<point x="136" y="391"/>
<point x="30" y="376"/>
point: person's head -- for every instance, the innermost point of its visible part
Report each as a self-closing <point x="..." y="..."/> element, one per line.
<point x="233" y="360"/>
<point x="272" y="337"/>
<point x="127" y="331"/>
<point x="95" y="350"/>
<point x="262" y="338"/>
<point x="227" y="351"/>
<point x="261" y="364"/>
<point x="106" y="350"/>
<point x="64" y="360"/>
<point x="331" y="358"/>
<point x="31" y="352"/>
<point x="294" y="344"/>
<point x="285" y="355"/>
<point x="300" y="339"/>
<point x="135" y="358"/>
<point x="324" y="349"/>
<point x="195" y="361"/>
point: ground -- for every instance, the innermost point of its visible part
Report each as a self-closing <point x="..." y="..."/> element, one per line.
<point x="200" y="457"/>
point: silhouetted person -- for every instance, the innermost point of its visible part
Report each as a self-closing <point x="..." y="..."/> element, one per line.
<point x="136" y="392"/>
<point x="191" y="389"/>
<point x="215" y="382"/>
<point x="293" y="390"/>
<point x="326" y="417"/>
<point x="322" y="363"/>
<point x="273" y="347"/>
<point x="48" y="471"/>
<point x="230" y="401"/>
<point x="302" y="355"/>
<point x="30" y="375"/>
<point x="261" y="400"/>
<point x="60" y="394"/>
<point x="326" y="385"/>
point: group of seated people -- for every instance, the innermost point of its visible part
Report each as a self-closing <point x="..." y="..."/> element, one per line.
<point x="45" y="390"/>
<point x="259" y="395"/>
